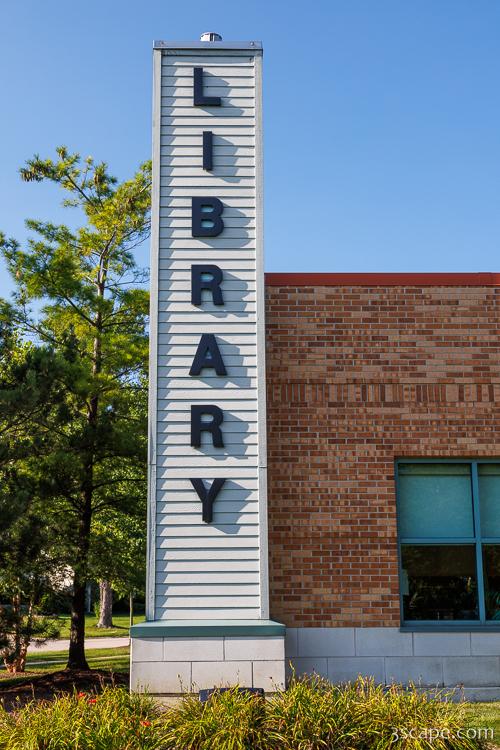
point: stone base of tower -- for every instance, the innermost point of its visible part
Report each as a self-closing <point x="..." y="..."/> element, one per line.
<point x="178" y="656"/>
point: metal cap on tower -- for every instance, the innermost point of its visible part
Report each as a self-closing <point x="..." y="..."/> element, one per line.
<point x="210" y="36"/>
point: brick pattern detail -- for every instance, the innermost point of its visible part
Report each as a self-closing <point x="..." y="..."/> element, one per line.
<point x="356" y="378"/>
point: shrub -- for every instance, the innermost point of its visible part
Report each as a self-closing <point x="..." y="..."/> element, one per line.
<point x="312" y="714"/>
<point x="111" y="720"/>
<point x="388" y="714"/>
<point x="228" y="720"/>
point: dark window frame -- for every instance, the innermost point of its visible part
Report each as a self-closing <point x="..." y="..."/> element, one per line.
<point x="481" y="624"/>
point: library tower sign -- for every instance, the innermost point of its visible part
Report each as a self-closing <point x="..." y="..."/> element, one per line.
<point x="207" y="620"/>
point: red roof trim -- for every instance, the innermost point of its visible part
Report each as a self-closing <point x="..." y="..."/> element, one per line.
<point x="382" y="279"/>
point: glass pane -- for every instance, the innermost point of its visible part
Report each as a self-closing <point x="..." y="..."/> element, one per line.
<point x="435" y="501"/>
<point x="489" y="498"/>
<point x="439" y="582"/>
<point x="491" y="575"/>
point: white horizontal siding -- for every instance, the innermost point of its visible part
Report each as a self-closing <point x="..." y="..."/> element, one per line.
<point x="233" y="434"/>
<point x="172" y="352"/>
<point x="217" y="76"/>
<point x="175" y="491"/>
<point x="240" y="96"/>
<point x="245" y="408"/>
<point x="176" y="208"/>
<point x="231" y="602"/>
<point x="212" y="316"/>
<point x="238" y="102"/>
<point x="177" y="279"/>
<point x="225" y="116"/>
<point x="207" y="570"/>
<point x="206" y="614"/>
<point x="176" y="593"/>
<point x="200" y="392"/>
<point x="185" y="176"/>
<point x="184" y="144"/>
<point x="235" y="367"/>
<point x="231" y="298"/>
<point x="232" y="136"/>
<point x="176" y="355"/>
<point x="183" y="566"/>
<point x="178" y="220"/>
<point x="207" y="455"/>
<point x="233" y="428"/>
<point x="185" y="508"/>
<point x="206" y="558"/>
<point x="196" y="466"/>
<point x="216" y="469"/>
<point x="234" y="289"/>
<point x="218" y="69"/>
<point x="200" y="57"/>
<point x="207" y="547"/>
<point x="230" y="254"/>
<point x="220" y="577"/>
<point x="232" y="306"/>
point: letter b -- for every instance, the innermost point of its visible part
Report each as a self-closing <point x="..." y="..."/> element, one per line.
<point x="205" y="210"/>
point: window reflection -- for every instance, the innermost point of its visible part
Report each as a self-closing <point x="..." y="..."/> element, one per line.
<point x="439" y="582"/>
<point x="491" y="575"/>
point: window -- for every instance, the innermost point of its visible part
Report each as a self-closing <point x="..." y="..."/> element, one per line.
<point x="449" y="536"/>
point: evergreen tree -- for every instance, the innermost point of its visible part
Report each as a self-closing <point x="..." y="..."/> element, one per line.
<point x="28" y="569"/>
<point x="91" y="310"/>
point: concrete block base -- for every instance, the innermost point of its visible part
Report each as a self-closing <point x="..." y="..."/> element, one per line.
<point x="168" y="659"/>
<point x="465" y="662"/>
<point x="175" y="658"/>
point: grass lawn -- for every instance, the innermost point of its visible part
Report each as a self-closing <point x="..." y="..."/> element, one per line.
<point x="116" y="659"/>
<point x="486" y="715"/>
<point x="120" y="622"/>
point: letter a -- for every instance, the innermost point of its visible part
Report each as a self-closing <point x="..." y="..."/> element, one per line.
<point x="208" y="355"/>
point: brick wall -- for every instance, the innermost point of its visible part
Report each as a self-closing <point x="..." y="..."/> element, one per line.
<point x="358" y="376"/>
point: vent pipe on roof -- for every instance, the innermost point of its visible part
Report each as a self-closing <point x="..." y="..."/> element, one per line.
<point x="210" y="36"/>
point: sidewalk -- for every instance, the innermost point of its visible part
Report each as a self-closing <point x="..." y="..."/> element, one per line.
<point x="63" y="644"/>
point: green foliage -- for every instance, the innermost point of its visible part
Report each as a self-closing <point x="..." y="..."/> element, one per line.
<point x="229" y="720"/>
<point x="20" y="626"/>
<point x="118" y="550"/>
<point x="485" y="715"/>
<point x="311" y="715"/>
<point x="28" y="567"/>
<point x="113" y="720"/>
<point x="74" y="430"/>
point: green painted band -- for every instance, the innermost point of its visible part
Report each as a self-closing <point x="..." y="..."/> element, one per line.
<point x="190" y="629"/>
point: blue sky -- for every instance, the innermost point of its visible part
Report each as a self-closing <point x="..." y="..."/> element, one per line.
<point x="382" y="119"/>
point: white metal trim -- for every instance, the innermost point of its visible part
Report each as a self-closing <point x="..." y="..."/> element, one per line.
<point x="153" y="339"/>
<point x="261" y="340"/>
<point x="159" y="44"/>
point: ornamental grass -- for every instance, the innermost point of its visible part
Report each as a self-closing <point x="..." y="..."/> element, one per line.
<point x="312" y="714"/>
<point x="110" y="720"/>
<point x="229" y="720"/>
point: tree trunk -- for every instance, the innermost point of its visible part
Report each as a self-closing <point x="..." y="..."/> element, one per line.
<point x="76" y="655"/>
<point x="105" y="605"/>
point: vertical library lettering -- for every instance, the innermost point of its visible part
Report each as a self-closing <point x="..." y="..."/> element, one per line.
<point x="206" y="221"/>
